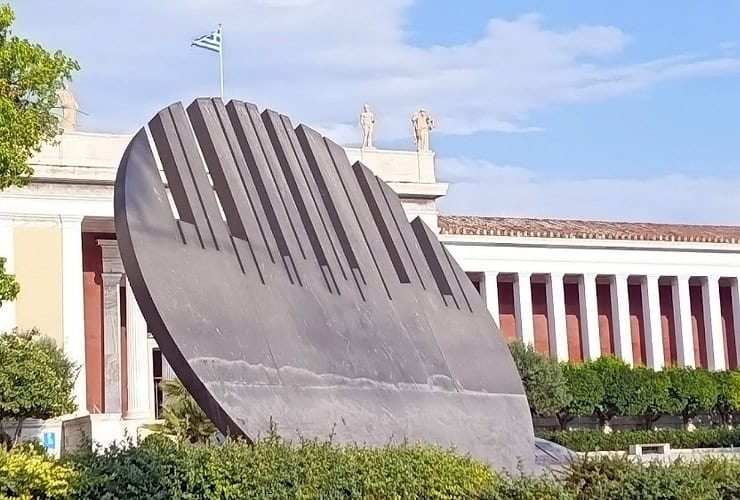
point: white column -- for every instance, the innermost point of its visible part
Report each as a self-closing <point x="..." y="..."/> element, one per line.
<point x="652" y="322"/>
<point x="151" y="344"/>
<point x="167" y="372"/>
<point x="557" y="327"/>
<point x="490" y="294"/>
<point x="620" y="302"/>
<point x="735" y="293"/>
<point x="589" y="323"/>
<point x="112" y="341"/>
<point x="682" y="319"/>
<point x="137" y="357"/>
<point x="523" y="308"/>
<point x="7" y="308"/>
<point x="713" y="323"/>
<point x="73" y="308"/>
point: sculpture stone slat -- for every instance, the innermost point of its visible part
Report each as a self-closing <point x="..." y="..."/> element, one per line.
<point x="289" y="286"/>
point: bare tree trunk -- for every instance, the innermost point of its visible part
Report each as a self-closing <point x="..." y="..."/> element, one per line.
<point x="650" y="420"/>
<point x="18" y="430"/>
<point x="725" y="419"/>
<point x="563" y="420"/>
<point x="604" y="421"/>
<point x="5" y="439"/>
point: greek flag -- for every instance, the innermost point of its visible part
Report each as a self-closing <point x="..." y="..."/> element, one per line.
<point x="211" y="41"/>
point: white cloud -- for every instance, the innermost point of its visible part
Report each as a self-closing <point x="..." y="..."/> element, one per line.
<point x="483" y="188"/>
<point x="320" y="60"/>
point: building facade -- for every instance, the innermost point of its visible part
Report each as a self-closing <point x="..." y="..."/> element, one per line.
<point x="652" y="294"/>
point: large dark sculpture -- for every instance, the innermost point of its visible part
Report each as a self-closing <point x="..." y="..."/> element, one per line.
<point x="311" y="301"/>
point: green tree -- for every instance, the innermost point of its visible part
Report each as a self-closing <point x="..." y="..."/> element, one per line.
<point x="655" y="388"/>
<point x="543" y="380"/>
<point x="622" y="391"/>
<point x="36" y="380"/>
<point x="182" y="418"/>
<point x="9" y="288"/>
<point x="693" y="391"/>
<point x="728" y="396"/>
<point x="586" y="391"/>
<point x="30" y="78"/>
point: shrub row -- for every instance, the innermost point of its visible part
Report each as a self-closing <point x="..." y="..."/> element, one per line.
<point x="161" y="469"/>
<point x="590" y="440"/>
<point x="619" y="479"/>
<point x="607" y="387"/>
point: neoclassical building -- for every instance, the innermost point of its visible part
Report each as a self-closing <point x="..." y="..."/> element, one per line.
<point x="653" y="294"/>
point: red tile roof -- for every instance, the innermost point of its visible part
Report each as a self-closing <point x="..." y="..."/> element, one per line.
<point x="598" y="230"/>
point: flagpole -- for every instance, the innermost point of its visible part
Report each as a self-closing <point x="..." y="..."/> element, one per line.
<point x="221" y="60"/>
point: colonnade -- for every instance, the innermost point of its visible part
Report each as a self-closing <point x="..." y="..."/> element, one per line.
<point x="665" y="321"/>
<point x="127" y="364"/>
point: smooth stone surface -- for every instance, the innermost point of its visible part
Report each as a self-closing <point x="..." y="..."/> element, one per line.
<point x="552" y="458"/>
<point x="293" y="289"/>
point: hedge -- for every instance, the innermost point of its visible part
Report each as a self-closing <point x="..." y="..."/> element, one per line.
<point x="274" y="469"/>
<point x="593" y="440"/>
<point x="27" y="472"/>
<point x="607" y="387"/>
<point x="621" y="479"/>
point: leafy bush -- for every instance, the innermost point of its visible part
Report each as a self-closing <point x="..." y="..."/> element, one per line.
<point x="655" y="388"/>
<point x="28" y="472"/>
<point x="693" y="391"/>
<point x="126" y="471"/>
<point x="9" y="288"/>
<point x="623" y="391"/>
<point x="608" y="387"/>
<point x="36" y="380"/>
<point x="590" y="440"/>
<point x="586" y="391"/>
<point x="274" y="468"/>
<point x="621" y="479"/>
<point x="527" y="488"/>
<point x="182" y="418"/>
<point x="724" y="474"/>
<point x="544" y="383"/>
<point x="728" y="395"/>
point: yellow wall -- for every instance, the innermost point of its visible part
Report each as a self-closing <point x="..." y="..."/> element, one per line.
<point x="38" y="269"/>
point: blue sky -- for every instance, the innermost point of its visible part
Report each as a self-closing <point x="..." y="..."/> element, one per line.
<point x="581" y="109"/>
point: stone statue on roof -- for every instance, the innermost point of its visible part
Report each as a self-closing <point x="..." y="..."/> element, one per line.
<point x="422" y="123"/>
<point x="367" y="123"/>
<point x="69" y="106"/>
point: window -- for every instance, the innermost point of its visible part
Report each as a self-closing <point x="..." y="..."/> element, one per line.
<point x="156" y="379"/>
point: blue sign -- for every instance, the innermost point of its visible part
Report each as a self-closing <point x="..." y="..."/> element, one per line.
<point x="50" y="440"/>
